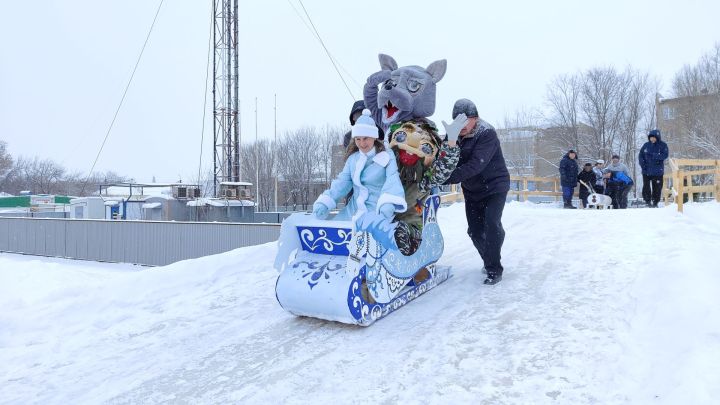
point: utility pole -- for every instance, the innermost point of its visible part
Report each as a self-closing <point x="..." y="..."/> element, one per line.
<point x="275" y="156"/>
<point x="257" y="162"/>
<point x="226" y="123"/>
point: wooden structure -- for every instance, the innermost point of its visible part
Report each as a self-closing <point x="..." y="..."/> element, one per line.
<point x="692" y="177"/>
<point x="520" y="186"/>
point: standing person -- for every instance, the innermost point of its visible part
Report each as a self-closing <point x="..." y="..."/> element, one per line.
<point x="600" y="180"/>
<point x="485" y="181"/>
<point x="568" y="177"/>
<point x="371" y="172"/>
<point x="587" y="176"/>
<point x="619" y="182"/>
<point x="652" y="162"/>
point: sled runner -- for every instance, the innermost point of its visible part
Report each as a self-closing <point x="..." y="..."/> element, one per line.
<point x="328" y="271"/>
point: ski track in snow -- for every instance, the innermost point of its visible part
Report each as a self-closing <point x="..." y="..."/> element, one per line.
<point x="594" y="307"/>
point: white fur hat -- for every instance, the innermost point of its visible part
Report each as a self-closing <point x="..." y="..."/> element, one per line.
<point x="365" y="126"/>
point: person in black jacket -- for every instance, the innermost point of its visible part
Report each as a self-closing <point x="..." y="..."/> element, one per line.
<point x="568" y="177"/>
<point x="652" y="162"/>
<point x="588" y="177"/>
<point x="485" y="181"/>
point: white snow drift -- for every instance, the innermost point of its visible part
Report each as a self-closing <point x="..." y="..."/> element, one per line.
<point x="595" y="307"/>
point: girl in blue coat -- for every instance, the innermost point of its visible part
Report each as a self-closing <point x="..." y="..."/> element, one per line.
<point x="370" y="172"/>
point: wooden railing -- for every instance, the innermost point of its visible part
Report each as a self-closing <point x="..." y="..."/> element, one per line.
<point x="543" y="186"/>
<point x="680" y="182"/>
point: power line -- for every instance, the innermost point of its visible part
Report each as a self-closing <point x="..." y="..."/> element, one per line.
<point x="127" y="87"/>
<point x="326" y="50"/>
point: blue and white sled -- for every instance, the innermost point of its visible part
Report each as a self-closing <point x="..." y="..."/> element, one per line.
<point x="329" y="272"/>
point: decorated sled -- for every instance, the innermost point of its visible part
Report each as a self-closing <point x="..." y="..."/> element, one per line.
<point x="328" y="271"/>
<point x="597" y="201"/>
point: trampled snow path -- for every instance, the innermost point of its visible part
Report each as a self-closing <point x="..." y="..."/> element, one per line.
<point x="595" y="307"/>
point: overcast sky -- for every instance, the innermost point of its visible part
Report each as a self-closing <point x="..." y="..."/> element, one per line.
<point x="64" y="65"/>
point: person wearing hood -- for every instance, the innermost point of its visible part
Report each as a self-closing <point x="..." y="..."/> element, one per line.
<point x="485" y="181"/>
<point x="652" y="163"/>
<point x="619" y="182"/>
<point x="355" y="113"/>
<point x="569" y="177"/>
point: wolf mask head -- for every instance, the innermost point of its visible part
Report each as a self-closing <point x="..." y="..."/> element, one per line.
<point x="409" y="92"/>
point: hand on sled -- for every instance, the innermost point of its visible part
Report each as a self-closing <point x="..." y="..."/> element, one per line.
<point x="320" y="210"/>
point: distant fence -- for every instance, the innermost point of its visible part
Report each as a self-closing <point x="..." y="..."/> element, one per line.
<point x="139" y="242"/>
<point x="692" y="179"/>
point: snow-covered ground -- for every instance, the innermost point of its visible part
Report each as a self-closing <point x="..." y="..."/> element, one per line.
<point x="595" y="307"/>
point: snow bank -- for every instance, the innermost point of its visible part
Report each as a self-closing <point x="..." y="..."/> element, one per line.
<point x="595" y="307"/>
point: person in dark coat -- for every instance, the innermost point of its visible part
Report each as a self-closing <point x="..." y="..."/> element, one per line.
<point x="355" y="112"/>
<point x="588" y="177"/>
<point x="568" y="177"/>
<point x="485" y="181"/>
<point x="652" y="162"/>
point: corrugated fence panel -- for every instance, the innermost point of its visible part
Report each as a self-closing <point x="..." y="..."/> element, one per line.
<point x="141" y="242"/>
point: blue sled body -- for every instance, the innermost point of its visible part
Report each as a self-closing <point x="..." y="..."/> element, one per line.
<point x="328" y="271"/>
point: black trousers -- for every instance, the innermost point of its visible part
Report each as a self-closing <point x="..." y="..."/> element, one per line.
<point x="619" y="194"/>
<point x="652" y="189"/>
<point x="486" y="231"/>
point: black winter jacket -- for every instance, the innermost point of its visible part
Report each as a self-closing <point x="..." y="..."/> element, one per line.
<point x="588" y="178"/>
<point x="481" y="170"/>
<point x="568" y="171"/>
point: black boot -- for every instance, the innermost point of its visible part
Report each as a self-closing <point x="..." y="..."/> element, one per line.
<point x="492" y="279"/>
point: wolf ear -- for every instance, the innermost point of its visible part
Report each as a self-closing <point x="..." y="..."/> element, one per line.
<point x="437" y="69"/>
<point x="387" y="62"/>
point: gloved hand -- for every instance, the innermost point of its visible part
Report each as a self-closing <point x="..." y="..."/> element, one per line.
<point x="453" y="130"/>
<point x="379" y="77"/>
<point x="387" y="210"/>
<point x="320" y="210"/>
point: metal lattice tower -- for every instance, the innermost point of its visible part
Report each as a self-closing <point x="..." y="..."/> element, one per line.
<point x="226" y="111"/>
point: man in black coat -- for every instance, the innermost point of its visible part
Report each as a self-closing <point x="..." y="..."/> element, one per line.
<point x="652" y="162"/>
<point x="568" y="177"/>
<point x="485" y="182"/>
<point x="588" y="177"/>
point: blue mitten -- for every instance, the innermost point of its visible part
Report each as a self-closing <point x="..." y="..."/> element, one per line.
<point x="387" y="210"/>
<point x="320" y="210"/>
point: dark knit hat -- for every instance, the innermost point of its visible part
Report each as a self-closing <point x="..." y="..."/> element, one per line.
<point x="588" y="164"/>
<point x="357" y="107"/>
<point x="616" y="156"/>
<point x="464" y="106"/>
<point x="654" y="132"/>
<point x="572" y="151"/>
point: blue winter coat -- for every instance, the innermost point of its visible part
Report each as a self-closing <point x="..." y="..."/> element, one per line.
<point x="481" y="170"/>
<point x="374" y="180"/>
<point x="569" y="171"/>
<point x="652" y="157"/>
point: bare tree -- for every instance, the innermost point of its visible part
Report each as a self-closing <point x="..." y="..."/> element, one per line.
<point x="703" y="78"/>
<point x="6" y="165"/>
<point x="564" y="97"/>
<point x="300" y="152"/>
<point x="259" y="158"/>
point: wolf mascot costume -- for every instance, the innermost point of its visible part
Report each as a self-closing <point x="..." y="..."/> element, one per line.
<point x="401" y="105"/>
